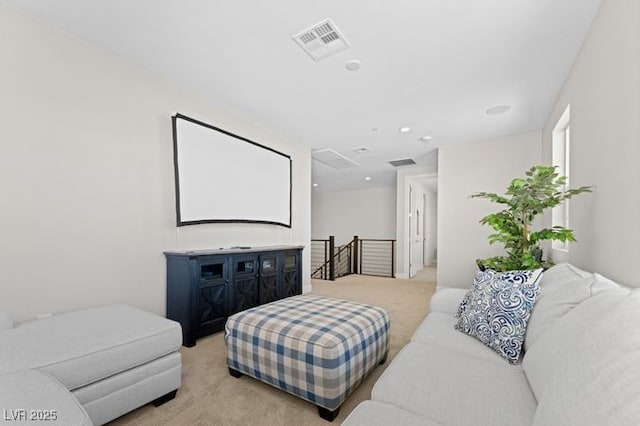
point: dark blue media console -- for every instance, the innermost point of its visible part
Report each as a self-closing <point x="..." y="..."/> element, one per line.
<point x="205" y="287"/>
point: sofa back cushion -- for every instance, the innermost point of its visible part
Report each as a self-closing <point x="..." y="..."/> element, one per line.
<point x="446" y="300"/>
<point x="562" y="288"/>
<point x="584" y="369"/>
<point x="562" y="273"/>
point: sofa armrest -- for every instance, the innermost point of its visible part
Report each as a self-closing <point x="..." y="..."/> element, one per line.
<point x="30" y="396"/>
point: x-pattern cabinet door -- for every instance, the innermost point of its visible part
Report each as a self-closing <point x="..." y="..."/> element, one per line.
<point x="269" y="279"/>
<point x="213" y="303"/>
<point x="245" y="283"/>
<point x="290" y="281"/>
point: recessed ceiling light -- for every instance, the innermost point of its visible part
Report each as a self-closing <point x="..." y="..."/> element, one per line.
<point x="361" y="150"/>
<point x="367" y="178"/>
<point x="353" y="65"/>
<point x="315" y="184"/>
<point x="500" y="109"/>
<point x="404" y="129"/>
<point x="426" y="138"/>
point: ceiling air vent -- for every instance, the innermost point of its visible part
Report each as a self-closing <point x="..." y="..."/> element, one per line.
<point x="321" y="40"/>
<point x="333" y="159"/>
<point x="405" y="162"/>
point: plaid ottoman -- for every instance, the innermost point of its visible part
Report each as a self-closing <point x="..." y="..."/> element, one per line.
<point x="316" y="348"/>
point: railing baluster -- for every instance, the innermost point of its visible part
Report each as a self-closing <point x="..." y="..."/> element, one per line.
<point x="332" y="266"/>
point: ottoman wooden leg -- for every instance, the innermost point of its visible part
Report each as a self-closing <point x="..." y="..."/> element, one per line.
<point x="235" y="373"/>
<point x="328" y="415"/>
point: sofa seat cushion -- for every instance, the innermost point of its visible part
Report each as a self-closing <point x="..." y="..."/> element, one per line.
<point x="438" y="329"/>
<point x="82" y="347"/>
<point x="34" y="397"/>
<point x="455" y="388"/>
<point x="584" y="369"/>
<point x="447" y="300"/>
<point x="376" y="413"/>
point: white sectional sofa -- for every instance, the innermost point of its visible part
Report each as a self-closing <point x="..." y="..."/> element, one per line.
<point x="88" y="366"/>
<point x="581" y="364"/>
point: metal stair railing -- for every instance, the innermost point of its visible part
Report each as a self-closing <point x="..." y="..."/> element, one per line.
<point x="360" y="256"/>
<point x="377" y="257"/>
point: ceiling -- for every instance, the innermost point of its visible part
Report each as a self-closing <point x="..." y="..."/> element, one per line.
<point x="435" y="66"/>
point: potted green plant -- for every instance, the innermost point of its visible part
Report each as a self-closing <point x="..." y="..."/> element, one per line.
<point x="526" y="198"/>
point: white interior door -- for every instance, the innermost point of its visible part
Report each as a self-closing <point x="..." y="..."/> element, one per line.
<point x="412" y="271"/>
<point x="426" y="249"/>
<point x="416" y="220"/>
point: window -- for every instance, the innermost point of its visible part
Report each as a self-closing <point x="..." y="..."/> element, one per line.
<point x="560" y="158"/>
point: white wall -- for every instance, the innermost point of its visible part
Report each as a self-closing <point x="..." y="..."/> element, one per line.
<point x="86" y="175"/>
<point x="367" y="213"/>
<point x="604" y="92"/>
<point x="463" y="170"/>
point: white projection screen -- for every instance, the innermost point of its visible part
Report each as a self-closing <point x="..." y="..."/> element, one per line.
<point x="222" y="177"/>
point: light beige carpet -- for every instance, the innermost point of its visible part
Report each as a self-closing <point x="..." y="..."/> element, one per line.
<point x="210" y="396"/>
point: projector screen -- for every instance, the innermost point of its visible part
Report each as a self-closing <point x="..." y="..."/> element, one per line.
<point x="222" y="177"/>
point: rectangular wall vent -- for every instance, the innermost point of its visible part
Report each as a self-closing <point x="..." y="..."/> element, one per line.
<point x="399" y="163"/>
<point x="321" y="40"/>
<point x="333" y="159"/>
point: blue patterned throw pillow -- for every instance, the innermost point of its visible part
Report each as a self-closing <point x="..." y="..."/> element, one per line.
<point x="497" y="307"/>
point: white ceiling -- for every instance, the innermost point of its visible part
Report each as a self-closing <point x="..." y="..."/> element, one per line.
<point x="433" y="65"/>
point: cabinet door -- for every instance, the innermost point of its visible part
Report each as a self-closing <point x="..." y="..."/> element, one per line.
<point x="290" y="274"/>
<point x="245" y="283"/>
<point x="213" y="295"/>
<point x="269" y="290"/>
